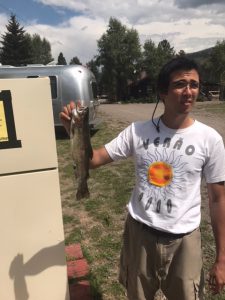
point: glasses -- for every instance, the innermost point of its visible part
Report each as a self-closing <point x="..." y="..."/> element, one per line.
<point x="182" y="84"/>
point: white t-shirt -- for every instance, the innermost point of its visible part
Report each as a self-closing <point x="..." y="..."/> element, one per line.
<point x="169" y="166"/>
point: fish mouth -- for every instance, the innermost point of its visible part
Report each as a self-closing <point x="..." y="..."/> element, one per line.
<point x="79" y="110"/>
<point x="78" y="113"/>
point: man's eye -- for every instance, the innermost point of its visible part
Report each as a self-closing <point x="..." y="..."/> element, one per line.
<point x="180" y="84"/>
<point x="184" y="84"/>
<point x="194" y="85"/>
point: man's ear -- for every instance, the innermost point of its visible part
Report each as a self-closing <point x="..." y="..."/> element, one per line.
<point x="162" y="96"/>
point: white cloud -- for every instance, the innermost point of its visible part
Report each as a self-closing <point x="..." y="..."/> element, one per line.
<point x="187" y="24"/>
<point x="196" y="3"/>
<point x="69" y="4"/>
<point x="3" y="22"/>
<point x="76" y="37"/>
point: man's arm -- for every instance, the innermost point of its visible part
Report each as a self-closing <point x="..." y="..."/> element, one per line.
<point x="216" y="193"/>
<point x="100" y="158"/>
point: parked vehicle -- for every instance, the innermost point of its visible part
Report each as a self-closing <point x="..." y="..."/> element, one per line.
<point x="72" y="82"/>
<point x="214" y="95"/>
<point x="103" y="99"/>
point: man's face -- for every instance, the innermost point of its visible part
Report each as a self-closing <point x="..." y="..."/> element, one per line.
<point x="182" y="92"/>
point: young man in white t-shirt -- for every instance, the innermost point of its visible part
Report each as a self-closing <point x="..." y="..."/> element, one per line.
<point x="162" y="242"/>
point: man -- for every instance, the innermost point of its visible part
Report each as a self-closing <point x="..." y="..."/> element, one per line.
<point x="162" y="243"/>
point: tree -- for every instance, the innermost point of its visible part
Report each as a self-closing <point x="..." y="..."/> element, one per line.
<point x="16" y="47"/>
<point x="181" y="53"/>
<point x="93" y="65"/>
<point x="165" y="52"/>
<point x="41" y="49"/>
<point x="75" y="61"/>
<point x="119" y="52"/>
<point x="61" y="59"/>
<point x="154" y="57"/>
<point x="217" y="61"/>
<point x="150" y="58"/>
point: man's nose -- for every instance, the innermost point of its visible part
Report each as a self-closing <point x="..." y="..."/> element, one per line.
<point x="187" y="89"/>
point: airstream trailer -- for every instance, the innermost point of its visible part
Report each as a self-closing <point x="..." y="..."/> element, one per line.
<point x="71" y="82"/>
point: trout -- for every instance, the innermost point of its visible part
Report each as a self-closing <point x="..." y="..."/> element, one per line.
<point x="81" y="148"/>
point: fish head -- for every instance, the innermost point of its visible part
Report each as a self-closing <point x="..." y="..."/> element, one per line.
<point x="79" y="114"/>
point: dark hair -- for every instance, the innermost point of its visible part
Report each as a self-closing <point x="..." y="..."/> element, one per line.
<point x="176" y="64"/>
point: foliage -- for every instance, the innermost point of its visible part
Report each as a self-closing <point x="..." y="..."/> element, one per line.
<point x="93" y="65"/>
<point x="149" y="58"/>
<point x="165" y="51"/>
<point x="217" y="60"/>
<point x="16" y="47"/>
<point x="119" y="52"/>
<point x="155" y="56"/>
<point x="181" y="53"/>
<point x="61" y="59"/>
<point x="75" y="61"/>
<point x="41" y="49"/>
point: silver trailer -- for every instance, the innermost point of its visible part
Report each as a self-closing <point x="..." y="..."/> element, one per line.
<point x="72" y="82"/>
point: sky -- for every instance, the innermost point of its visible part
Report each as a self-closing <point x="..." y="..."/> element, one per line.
<point x="74" y="26"/>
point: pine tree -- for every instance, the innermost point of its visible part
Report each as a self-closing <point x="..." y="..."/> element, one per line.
<point x="61" y="59"/>
<point x="75" y="61"/>
<point x="16" y="48"/>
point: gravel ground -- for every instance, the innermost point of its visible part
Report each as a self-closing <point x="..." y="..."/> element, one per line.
<point x="128" y="113"/>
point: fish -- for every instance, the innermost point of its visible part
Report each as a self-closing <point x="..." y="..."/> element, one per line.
<point x="81" y="148"/>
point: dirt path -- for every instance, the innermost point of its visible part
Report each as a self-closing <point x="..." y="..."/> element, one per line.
<point x="128" y="113"/>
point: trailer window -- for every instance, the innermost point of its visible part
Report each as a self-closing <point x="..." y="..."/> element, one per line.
<point x="94" y="89"/>
<point x="53" y="83"/>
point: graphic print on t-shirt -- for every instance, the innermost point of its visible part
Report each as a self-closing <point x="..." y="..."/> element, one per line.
<point x="161" y="175"/>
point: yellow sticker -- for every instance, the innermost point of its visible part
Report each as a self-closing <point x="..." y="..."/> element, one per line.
<point x="3" y="128"/>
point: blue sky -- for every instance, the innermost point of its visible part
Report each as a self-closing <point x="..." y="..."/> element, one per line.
<point x="27" y="10"/>
<point x="74" y="26"/>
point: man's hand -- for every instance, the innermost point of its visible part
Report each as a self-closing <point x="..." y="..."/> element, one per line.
<point x="65" y="115"/>
<point x="217" y="277"/>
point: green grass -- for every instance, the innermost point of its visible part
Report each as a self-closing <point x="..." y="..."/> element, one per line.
<point x="104" y="212"/>
<point x="97" y="223"/>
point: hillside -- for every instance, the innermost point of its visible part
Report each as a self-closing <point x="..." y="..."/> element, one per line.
<point x="200" y="56"/>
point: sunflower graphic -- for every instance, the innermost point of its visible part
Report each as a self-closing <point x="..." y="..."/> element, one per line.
<point x="161" y="175"/>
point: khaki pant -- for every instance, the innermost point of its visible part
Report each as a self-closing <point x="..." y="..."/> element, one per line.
<point x="151" y="261"/>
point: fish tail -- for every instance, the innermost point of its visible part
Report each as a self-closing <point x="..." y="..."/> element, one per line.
<point x="82" y="191"/>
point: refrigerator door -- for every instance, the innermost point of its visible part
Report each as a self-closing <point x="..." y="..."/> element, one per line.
<point x="27" y="136"/>
<point x="33" y="264"/>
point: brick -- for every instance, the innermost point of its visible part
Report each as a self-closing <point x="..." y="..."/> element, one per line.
<point x="78" y="268"/>
<point x="74" y="251"/>
<point x="80" y="291"/>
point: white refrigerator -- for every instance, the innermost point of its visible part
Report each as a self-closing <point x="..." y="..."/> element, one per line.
<point x="32" y="254"/>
